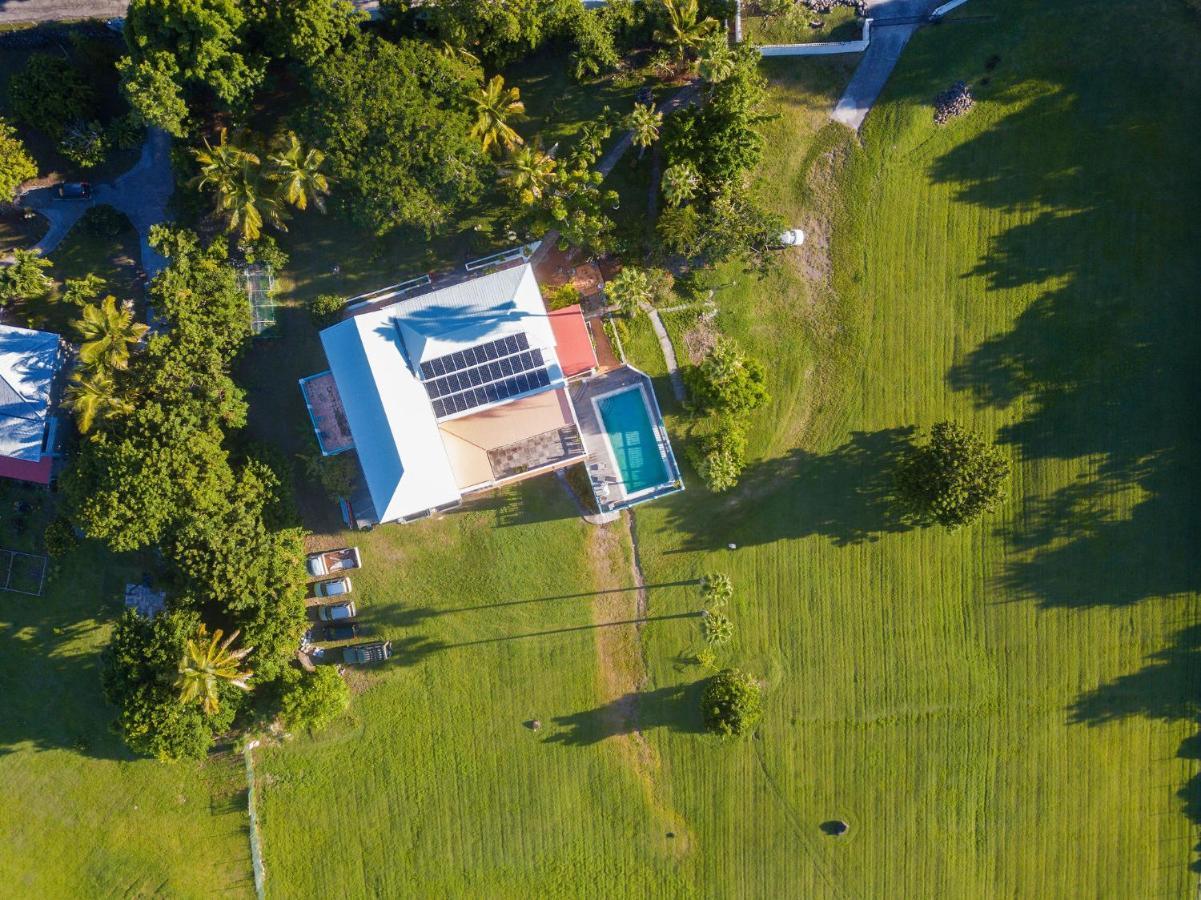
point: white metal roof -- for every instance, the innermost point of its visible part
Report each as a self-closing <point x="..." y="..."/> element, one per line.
<point x="473" y="312"/>
<point x="398" y="442"/>
<point x="28" y="361"/>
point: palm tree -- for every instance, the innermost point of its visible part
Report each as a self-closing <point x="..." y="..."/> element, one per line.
<point x="680" y="183"/>
<point x="530" y="173"/>
<point x="235" y="174"/>
<point x="251" y="201"/>
<point x="298" y="172"/>
<point x="686" y="31"/>
<point x="494" y="103"/>
<point x="93" y="396"/>
<point x="206" y="663"/>
<point x="644" y="122"/>
<point x="717" y="61"/>
<point x="107" y="331"/>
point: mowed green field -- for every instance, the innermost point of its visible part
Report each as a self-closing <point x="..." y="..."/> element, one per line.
<point x="1002" y="711"/>
<point x="81" y="817"/>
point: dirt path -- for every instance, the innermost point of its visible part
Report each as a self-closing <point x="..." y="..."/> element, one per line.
<point x="622" y="670"/>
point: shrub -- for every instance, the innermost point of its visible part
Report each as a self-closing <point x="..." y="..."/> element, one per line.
<point x="312" y="700"/>
<point x="125" y="132"/>
<point x="954" y="478"/>
<point x="562" y="296"/>
<point x="720" y="456"/>
<point x="266" y="251"/>
<point x="24" y="278"/>
<point x="104" y="221"/>
<point x="16" y="165"/>
<point x="732" y="703"/>
<point x="84" y="143"/>
<point x="728" y="381"/>
<point x="49" y="93"/>
<point x="679" y="230"/>
<point x="59" y="537"/>
<point x="326" y="309"/>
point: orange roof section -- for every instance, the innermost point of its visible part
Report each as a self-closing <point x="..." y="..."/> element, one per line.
<point x="573" y="345"/>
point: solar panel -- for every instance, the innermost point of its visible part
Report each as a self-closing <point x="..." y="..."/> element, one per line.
<point x="483" y="374"/>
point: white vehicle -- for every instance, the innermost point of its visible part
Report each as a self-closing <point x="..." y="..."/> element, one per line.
<point x="793" y="238"/>
<point x="326" y="562"/>
<point x="336" y="588"/>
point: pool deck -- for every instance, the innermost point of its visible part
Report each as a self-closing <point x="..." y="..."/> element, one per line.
<point x="607" y="482"/>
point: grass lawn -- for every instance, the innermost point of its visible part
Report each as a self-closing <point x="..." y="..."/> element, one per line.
<point x="840" y="24"/>
<point x="83" y="818"/>
<point x="1007" y="710"/>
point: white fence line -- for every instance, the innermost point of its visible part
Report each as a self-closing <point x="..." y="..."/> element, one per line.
<point x="824" y="48"/>
<point x="946" y="8"/>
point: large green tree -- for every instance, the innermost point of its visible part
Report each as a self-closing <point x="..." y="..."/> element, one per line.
<point x="181" y="51"/>
<point x="498" y="32"/>
<point x="49" y="93"/>
<point x="953" y="478"/>
<point x="16" y="165"/>
<point x="396" y="134"/>
<point x="305" y="30"/>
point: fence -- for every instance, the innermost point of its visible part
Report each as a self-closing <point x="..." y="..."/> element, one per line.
<point x="34" y="571"/>
<point x="826" y="48"/>
<point x="387" y="293"/>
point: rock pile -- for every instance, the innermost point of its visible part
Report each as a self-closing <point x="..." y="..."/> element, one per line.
<point x="954" y="101"/>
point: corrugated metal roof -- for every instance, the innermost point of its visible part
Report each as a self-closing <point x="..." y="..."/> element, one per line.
<point x="28" y="361"/>
<point x="400" y="448"/>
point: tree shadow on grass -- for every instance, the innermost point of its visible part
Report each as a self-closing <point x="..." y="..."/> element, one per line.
<point x="1100" y="364"/>
<point x="676" y="708"/>
<point x="845" y="495"/>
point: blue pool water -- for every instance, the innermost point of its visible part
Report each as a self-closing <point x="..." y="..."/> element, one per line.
<point x="628" y="424"/>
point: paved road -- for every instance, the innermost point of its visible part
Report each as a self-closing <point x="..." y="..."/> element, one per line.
<point x="141" y="193"/>
<point x="880" y="58"/>
<point x="48" y="10"/>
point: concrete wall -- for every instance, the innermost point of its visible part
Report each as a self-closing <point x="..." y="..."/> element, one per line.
<point x="823" y="49"/>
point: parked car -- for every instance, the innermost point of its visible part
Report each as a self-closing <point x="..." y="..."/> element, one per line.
<point x="337" y="612"/>
<point x="75" y="190"/>
<point x="335" y="588"/>
<point x="361" y="654"/>
<point x="326" y="562"/>
<point x="343" y="632"/>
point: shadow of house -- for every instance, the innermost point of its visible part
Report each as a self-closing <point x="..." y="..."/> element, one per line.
<point x="844" y="495"/>
<point x="676" y="708"/>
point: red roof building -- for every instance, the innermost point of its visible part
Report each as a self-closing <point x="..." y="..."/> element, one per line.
<point x="572" y="341"/>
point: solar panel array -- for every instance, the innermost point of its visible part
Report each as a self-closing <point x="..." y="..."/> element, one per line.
<point x="485" y="374"/>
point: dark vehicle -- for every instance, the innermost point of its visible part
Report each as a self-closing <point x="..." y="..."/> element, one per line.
<point x="337" y="612"/>
<point x="343" y="632"/>
<point x="75" y="190"/>
<point x="362" y="654"/>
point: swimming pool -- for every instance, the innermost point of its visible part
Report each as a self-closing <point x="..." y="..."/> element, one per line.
<point x="632" y="436"/>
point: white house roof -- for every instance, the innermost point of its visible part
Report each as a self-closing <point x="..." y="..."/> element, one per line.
<point x="28" y="361"/>
<point x="481" y="309"/>
<point x="400" y="448"/>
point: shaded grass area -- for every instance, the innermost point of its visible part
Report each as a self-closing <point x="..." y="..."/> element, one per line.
<point x="797" y="27"/>
<point x="85" y="818"/>
<point x="1014" y="703"/>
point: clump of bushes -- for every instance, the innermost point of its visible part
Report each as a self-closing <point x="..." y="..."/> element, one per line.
<point x="954" y="101"/>
<point x="731" y="703"/>
<point x="825" y="6"/>
<point x="312" y="700"/>
<point x="563" y="296"/>
<point x="104" y="221"/>
<point x="16" y="165"/>
<point x="84" y="143"/>
<point x="49" y="94"/>
<point x="325" y="309"/>
<point x="954" y="478"/>
<point x="727" y="386"/>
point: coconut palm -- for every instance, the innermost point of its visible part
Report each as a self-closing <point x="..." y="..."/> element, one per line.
<point x="530" y="173"/>
<point x="298" y="173"/>
<point x="686" y="31"/>
<point x="644" y="122"/>
<point x="494" y="104"/>
<point x="206" y="663"/>
<point x="243" y="194"/>
<point x="717" y="61"/>
<point x="680" y="183"/>
<point x="251" y="201"/>
<point x="107" y="331"/>
<point x="93" y="396"/>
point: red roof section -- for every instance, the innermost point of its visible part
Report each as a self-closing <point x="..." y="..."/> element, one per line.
<point x="573" y="343"/>
<point x="24" y="470"/>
